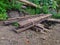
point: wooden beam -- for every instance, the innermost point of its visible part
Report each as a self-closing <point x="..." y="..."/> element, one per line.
<point x="40" y="26"/>
<point x="54" y="20"/>
<point x="33" y="20"/>
<point x="22" y="29"/>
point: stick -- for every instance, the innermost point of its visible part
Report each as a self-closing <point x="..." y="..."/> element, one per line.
<point x="29" y="3"/>
<point x="54" y="20"/>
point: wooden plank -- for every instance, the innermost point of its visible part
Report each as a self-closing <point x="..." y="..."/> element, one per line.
<point x="11" y="20"/>
<point x="22" y="29"/>
<point x="54" y="20"/>
<point x="40" y="26"/>
<point x="16" y="19"/>
<point x="32" y="20"/>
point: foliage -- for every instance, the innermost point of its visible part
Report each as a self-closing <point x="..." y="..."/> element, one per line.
<point x="45" y="4"/>
<point x="58" y="7"/>
<point x="58" y="2"/>
<point x="3" y="16"/>
<point x="3" y="7"/>
<point x="14" y="4"/>
<point x="6" y="5"/>
<point x="57" y="16"/>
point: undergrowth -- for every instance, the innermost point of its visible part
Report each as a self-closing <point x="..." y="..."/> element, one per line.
<point x="56" y="16"/>
<point x="14" y="4"/>
<point x="46" y="5"/>
<point x="5" y="5"/>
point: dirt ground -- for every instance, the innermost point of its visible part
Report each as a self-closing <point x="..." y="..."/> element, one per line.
<point x="29" y="37"/>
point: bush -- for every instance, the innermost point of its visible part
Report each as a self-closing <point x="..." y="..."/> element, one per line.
<point x="56" y="16"/>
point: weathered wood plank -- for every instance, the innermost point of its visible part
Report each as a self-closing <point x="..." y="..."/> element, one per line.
<point x="54" y="20"/>
<point x="16" y="19"/>
<point x="33" y="20"/>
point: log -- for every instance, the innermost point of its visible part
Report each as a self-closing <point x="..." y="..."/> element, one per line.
<point x="11" y="20"/>
<point x="54" y="20"/>
<point x="33" y="20"/>
<point x="22" y="29"/>
<point x="38" y="29"/>
<point x="40" y="26"/>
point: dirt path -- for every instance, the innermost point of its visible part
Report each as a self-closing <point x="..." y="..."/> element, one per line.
<point x="29" y="37"/>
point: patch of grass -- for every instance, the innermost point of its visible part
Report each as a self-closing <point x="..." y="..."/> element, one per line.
<point x="15" y="24"/>
<point x="6" y="5"/>
<point x="3" y="16"/>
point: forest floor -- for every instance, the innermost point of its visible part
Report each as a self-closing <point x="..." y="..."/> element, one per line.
<point x="29" y="37"/>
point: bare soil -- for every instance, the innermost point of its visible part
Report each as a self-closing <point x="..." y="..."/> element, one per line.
<point x="29" y="37"/>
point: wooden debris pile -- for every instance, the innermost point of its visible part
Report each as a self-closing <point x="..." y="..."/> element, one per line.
<point x="27" y="22"/>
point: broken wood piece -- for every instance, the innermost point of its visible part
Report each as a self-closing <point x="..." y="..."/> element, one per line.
<point x="29" y="3"/>
<point x="16" y="19"/>
<point x="42" y="27"/>
<point x="11" y="20"/>
<point x="22" y="29"/>
<point x="33" y="20"/>
<point x="38" y="30"/>
<point x="54" y="20"/>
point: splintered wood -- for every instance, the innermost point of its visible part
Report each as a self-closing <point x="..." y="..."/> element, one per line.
<point x="32" y="22"/>
<point x="54" y="20"/>
<point x="28" y="21"/>
<point x="11" y="20"/>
